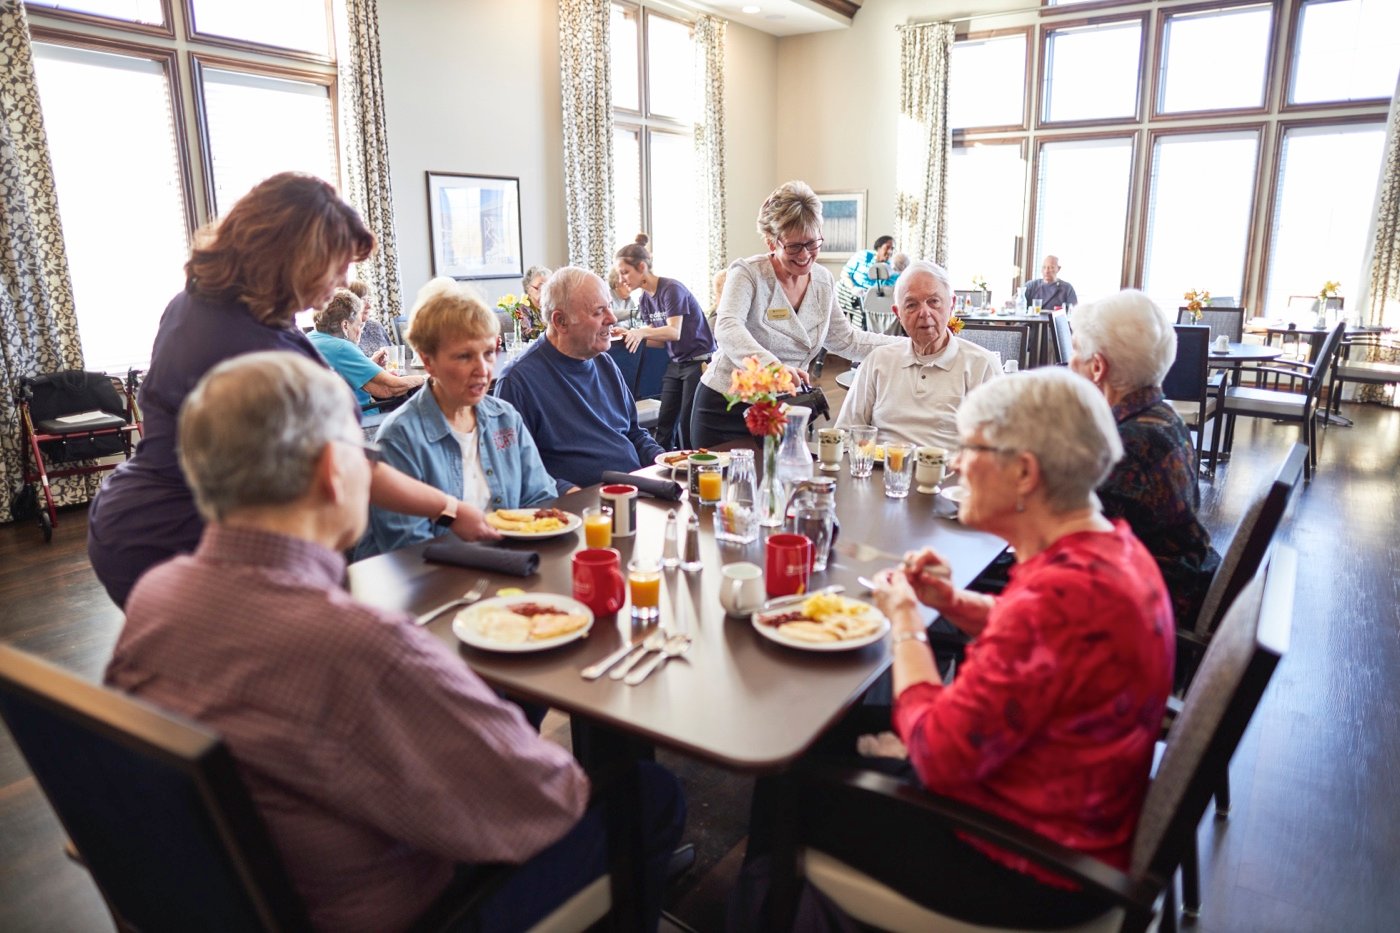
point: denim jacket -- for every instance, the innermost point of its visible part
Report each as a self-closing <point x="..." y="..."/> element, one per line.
<point x="416" y="440"/>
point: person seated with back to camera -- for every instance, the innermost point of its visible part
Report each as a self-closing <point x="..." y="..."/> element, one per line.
<point x="570" y="393"/>
<point x="374" y="339"/>
<point x="453" y="435"/>
<point x="383" y="766"/>
<point x="911" y="390"/>
<point x="336" y="338"/>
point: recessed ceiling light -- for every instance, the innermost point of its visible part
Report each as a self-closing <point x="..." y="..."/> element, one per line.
<point x="751" y="9"/>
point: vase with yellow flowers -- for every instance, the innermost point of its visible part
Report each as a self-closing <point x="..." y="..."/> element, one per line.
<point x="1197" y="300"/>
<point x="1328" y="291"/>
<point x="759" y="386"/>
<point x="525" y="317"/>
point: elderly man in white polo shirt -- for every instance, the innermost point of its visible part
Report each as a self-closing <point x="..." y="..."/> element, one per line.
<point x="911" y="390"/>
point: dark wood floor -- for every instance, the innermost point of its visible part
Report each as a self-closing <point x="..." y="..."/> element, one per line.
<point x="1313" y="842"/>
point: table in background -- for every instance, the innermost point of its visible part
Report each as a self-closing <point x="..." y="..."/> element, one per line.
<point x="1315" y="335"/>
<point x="1038" y="349"/>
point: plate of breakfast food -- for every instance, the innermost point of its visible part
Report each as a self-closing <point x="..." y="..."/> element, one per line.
<point x="678" y="461"/>
<point x="823" y="622"/>
<point x="528" y="622"/>
<point x="532" y="523"/>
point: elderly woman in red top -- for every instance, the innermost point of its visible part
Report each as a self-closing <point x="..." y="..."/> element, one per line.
<point x="1053" y="715"/>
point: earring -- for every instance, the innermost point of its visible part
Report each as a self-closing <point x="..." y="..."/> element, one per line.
<point x="1020" y="503"/>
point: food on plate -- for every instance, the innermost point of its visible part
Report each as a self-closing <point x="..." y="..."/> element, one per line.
<point x="524" y="622"/>
<point x="676" y="457"/>
<point x="826" y="618"/>
<point x="527" y="520"/>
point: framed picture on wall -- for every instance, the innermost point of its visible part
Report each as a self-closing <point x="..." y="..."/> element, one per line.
<point x="474" y="225"/>
<point x="843" y="224"/>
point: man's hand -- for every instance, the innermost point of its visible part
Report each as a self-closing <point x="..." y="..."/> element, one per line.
<point x="471" y="525"/>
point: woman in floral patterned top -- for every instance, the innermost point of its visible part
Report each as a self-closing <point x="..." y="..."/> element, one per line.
<point x="1124" y="344"/>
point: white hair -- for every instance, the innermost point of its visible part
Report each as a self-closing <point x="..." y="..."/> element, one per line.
<point x="1057" y="417"/>
<point x="1131" y="333"/>
<point x="559" y="290"/>
<point x="914" y="268"/>
<point x="254" y="427"/>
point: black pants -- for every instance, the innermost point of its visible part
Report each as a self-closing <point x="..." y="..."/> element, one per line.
<point x="677" y="398"/>
<point x="711" y="424"/>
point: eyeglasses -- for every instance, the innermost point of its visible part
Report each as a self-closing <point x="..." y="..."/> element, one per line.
<point x="983" y="449"/>
<point x="373" y="452"/>
<point x="796" y="249"/>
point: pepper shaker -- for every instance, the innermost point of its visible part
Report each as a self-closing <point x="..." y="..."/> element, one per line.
<point x="690" y="553"/>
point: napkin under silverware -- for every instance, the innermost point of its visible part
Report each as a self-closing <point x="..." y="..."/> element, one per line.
<point x="453" y="550"/>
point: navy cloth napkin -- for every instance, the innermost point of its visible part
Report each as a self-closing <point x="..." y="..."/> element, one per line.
<point x="450" y="549"/>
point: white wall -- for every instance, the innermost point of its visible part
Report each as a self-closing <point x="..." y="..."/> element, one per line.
<point x="751" y="140"/>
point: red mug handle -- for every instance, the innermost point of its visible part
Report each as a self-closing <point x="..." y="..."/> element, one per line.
<point x="617" y="594"/>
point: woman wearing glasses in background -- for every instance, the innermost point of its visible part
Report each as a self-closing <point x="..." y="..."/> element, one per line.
<point x="778" y="306"/>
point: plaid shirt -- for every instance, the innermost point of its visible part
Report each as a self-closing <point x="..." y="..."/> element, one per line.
<point x="376" y="757"/>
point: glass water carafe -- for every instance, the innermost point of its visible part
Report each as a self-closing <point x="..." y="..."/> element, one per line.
<point x="736" y="516"/>
<point x="812" y="512"/>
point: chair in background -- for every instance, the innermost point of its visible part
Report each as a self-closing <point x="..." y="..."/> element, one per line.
<point x="156" y="810"/>
<point x="1063" y="337"/>
<point x="1361" y="372"/>
<point x="1230" y="682"/>
<point x="1009" y="340"/>
<point x="1292" y="407"/>
<point x="877" y="305"/>
<point x="1228" y="322"/>
<point x="972" y="298"/>
<point x="401" y="328"/>
<point x="1187" y="385"/>
<point x="1221" y="301"/>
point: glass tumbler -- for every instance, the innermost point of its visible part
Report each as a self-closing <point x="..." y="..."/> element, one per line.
<point x="862" y="452"/>
<point x="899" y="468"/>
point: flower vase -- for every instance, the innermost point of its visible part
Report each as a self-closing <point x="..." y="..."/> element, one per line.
<point x="770" y="492"/>
<point x="516" y="321"/>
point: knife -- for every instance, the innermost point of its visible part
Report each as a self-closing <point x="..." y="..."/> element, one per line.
<point x="780" y="601"/>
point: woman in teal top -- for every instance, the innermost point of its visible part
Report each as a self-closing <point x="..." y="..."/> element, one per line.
<point x="337" y="337"/>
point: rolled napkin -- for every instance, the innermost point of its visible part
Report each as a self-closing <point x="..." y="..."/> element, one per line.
<point x="450" y="549"/>
<point x="656" y="488"/>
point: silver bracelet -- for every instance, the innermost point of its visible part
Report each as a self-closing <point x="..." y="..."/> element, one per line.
<point x="915" y="635"/>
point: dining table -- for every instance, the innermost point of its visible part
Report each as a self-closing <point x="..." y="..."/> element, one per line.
<point x="1314" y="335"/>
<point x="735" y="699"/>
<point x="1038" y="349"/>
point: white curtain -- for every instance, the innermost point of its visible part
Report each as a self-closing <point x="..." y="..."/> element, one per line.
<point x="586" y="79"/>
<point x="709" y="139"/>
<point x="925" y="141"/>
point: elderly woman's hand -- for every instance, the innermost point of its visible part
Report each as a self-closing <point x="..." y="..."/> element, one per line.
<point x="470" y="525"/>
<point x="930" y="578"/>
<point x="380" y="357"/>
<point x="893" y="594"/>
<point x="634" y="339"/>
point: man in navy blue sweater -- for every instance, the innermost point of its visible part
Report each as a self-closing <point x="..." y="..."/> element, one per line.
<point x="570" y="393"/>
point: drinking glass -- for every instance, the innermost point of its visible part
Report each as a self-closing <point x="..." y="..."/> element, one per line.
<point x="899" y="466"/>
<point x="862" y="451"/>
<point x="395" y="361"/>
<point x="709" y="482"/>
<point x="644" y="580"/>
<point x="597" y="526"/>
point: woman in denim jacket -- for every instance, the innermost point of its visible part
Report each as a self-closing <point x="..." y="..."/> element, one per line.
<point x="453" y="435"/>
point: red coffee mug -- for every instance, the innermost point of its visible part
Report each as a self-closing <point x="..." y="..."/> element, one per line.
<point x="789" y="564"/>
<point x="598" y="582"/>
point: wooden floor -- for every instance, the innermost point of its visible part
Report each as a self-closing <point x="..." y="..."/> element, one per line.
<point x="1313" y="842"/>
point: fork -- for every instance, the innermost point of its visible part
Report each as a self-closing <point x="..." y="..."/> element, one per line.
<point x="857" y="550"/>
<point x="675" y="646"/>
<point x="477" y="591"/>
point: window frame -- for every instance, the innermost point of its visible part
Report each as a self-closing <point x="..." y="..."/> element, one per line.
<point x="1290" y="73"/>
<point x="261" y="48"/>
<point x="1027" y="95"/>
<point x="79" y="19"/>
<point x="1159" y="65"/>
<point x="1047" y="29"/>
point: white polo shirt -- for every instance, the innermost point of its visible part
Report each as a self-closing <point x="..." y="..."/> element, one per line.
<point x="915" y="398"/>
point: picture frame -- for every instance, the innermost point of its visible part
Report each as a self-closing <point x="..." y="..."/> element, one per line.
<point x="843" y="224"/>
<point x="474" y="225"/>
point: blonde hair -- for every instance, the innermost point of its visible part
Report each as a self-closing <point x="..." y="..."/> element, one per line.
<point x="446" y="310"/>
<point x="793" y="205"/>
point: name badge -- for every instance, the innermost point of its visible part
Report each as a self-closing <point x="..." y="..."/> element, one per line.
<point x="779" y="314"/>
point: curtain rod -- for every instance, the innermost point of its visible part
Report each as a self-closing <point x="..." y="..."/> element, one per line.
<point x="969" y="17"/>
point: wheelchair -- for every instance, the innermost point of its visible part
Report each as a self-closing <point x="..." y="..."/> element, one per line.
<point x="70" y="419"/>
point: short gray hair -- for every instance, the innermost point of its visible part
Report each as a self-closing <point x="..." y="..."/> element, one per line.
<point x="901" y="285"/>
<point x="793" y="205"/>
<point x="1132" y="333"/>
<point x="254" y="427"/>
<point x="533" y="273"/>
<point x="1057" y="417"/>
<point x="559" y="290"/>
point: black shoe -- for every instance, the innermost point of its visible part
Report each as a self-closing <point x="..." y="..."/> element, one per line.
<point x="682" y="860"/>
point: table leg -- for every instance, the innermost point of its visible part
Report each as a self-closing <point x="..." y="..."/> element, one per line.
<point x="610" y="758"/>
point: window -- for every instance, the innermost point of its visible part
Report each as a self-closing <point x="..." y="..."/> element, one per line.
<point x="1081" y="210"/>
<point x="986" y="196"/>
<point x="127" y="162"/>
<point x="1199" y="208"/>
<point x="655" y="176"/>
<point x="1346" y="50"/>
<point x="987" y="82"/>
<point x="1215" y="59"/>
<point x="1092" y="72"/>
<point x="1322" y="211"/>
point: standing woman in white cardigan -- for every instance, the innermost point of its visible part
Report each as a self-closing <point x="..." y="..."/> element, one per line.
<point x="778" y="306"/>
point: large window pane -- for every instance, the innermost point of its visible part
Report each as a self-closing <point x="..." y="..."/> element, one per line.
<point x="1347" y="50"/>
<point x="627" y="185"/>
<point x="1091" y="72"/>
<point x="146" y="12"/>
<point x="259" y="126"/>
<point x="1193" y="44"/>
<point x="1082" y="210"/>
<point x="987" y="82"/>
<point x="1327" y="189"/>
<point x="670" y="68"/>
<point x="626" y="73"/>
<point x="678" y="239"/>
<point x="1198" y="212"/>
<point x="287" y="24"/>
<point x="986" y="194"/>
<point x="112" y="141"/>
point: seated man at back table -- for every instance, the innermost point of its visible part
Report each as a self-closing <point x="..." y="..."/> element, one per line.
<point x="381" y="764"/>
<point x="1051" y="290"/>
<point x="570" y="393"/>
<point x="911" y="390"/>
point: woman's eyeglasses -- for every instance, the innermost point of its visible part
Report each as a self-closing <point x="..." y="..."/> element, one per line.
<point x="982" y="449"/>
<point x="796" y="249"/>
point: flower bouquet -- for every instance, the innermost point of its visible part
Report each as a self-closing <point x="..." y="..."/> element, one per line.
<point x="529" y="323"/>
<point x="1329" y="290"/>
<point x="1196" y="302"/>
<point x="759" y="386"/>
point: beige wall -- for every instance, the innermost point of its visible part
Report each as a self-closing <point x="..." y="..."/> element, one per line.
<point x="751" y="140"/>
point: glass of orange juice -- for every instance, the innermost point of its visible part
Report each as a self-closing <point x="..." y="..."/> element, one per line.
<point x="597" y="526"/>
<point x="644" y="580"/>
<point x="709" y="482"/>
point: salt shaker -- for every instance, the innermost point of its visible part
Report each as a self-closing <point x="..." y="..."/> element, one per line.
<point x="690" y="553"/>
<point x="670" y="556"/>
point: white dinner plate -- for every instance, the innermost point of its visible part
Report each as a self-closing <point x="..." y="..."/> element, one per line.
<point x="953" y="493"/>
<point x="571" y="523"/>
<point x="462" y="624"/>
<point x="772" y="634"/>
<point x="683" y="466"/>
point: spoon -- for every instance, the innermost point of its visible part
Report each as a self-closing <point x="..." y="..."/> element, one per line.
<point x="675" y="646"/>
<point x="654" y="642"/>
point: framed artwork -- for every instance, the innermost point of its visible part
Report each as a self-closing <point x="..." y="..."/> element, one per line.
<point x="843" y="224"/>
<point x="474" y="225"/>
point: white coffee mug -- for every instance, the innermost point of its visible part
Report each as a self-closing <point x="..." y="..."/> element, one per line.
<point x="1222" y="343"/>
<point x="741" y="589"/>
<point x="1010" y="366"/>
<point x="623" y="499"/>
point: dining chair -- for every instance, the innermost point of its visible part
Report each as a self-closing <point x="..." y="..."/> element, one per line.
<point x="1361" y="372"/>
<point x="1224" y="301"/>
<point x="1228" y="322"/>
<point x="1231" y="679"/>
<point x="1291" y="407"/>
<point x="154" y="808"/>
<point x="878" y="305"/>
<point x="1187" y="385"/>
<point x="1009" y="340"/>
<point x="1063" y="337"/>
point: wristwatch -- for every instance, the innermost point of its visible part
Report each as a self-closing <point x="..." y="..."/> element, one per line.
<point x="448" y="516"/>
<point x="914" y="635"/>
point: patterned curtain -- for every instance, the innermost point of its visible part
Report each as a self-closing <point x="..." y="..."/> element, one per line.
<point x="709" y="139"/>
<point x="925" y="141"/>
<point x="365" y="152"/>
<point x="586" y="76"/>
<point x="1383" y="295"/>
<point x="38" y="326"/>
